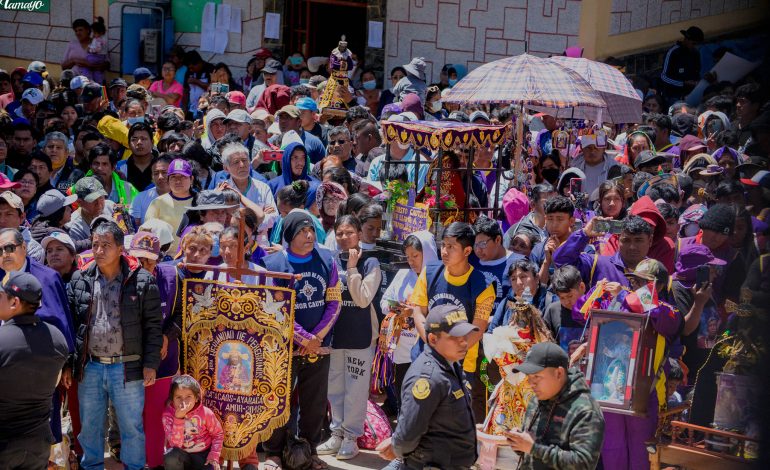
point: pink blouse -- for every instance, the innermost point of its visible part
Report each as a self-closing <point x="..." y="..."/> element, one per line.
<point x="176" y="88"/>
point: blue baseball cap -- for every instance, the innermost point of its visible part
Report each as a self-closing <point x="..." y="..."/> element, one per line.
<point x="142" y="73"/>
<point x="307" y="103"/>
<point x="33" y="78"/>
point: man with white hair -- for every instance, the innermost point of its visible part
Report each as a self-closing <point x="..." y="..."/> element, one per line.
<point x="237" y="163"/>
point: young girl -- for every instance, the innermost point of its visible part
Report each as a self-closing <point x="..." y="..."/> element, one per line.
<point x="353" y="338"/>
<point x="97" y="50"/>
<point x="194" y="435"/>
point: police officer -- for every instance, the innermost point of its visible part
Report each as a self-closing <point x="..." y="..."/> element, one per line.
<point x="32" y="354"/>
<point x="435" y="427"/>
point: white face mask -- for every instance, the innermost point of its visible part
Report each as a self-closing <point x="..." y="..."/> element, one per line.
<point x="435" y="106"/>
<point x="402" y="145"/>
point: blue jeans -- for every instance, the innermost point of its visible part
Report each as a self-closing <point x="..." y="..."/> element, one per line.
<point x="103" y="383"/>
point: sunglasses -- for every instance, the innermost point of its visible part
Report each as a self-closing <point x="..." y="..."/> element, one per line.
<point x="9" y="249"/>
<point x="338" y="142"/>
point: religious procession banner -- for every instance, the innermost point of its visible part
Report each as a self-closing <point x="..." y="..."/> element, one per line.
<point x="238" y="345"/>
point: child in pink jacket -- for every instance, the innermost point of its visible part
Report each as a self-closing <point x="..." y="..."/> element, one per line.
<point x="193" y="433"/>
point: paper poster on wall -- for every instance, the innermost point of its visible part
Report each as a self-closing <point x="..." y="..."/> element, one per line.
<point x="221" y="32"/>
<point x="272" y="25"/>
<point x="208" y="27"/>
<point x="235" y="20"/>
<point x="187" y="14"/>
<point x="375" y="34"/>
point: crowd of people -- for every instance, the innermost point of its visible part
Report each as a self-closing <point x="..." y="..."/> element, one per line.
<point x="111" y="193"/>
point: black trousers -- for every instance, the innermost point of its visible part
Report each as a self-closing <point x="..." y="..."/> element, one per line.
<point x="310" y="382"/>
<point x="29" y="453"/>
<point x="177" y="459"/>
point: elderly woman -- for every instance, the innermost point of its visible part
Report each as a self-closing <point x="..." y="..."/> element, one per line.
<point x="64" y="173"/>
<point x="76" y="55"/>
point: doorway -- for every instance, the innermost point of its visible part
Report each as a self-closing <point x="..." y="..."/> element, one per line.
<point x="314" y="27"/>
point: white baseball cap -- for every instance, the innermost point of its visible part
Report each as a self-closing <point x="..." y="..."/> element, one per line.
<point x="60" y="237"/>
<point x="33" y="95"/>
<point x="78" y="82"/>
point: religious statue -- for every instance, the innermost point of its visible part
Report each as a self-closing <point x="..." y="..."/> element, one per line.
<point x="340" y="62"/>
<point x="508" y="346"/>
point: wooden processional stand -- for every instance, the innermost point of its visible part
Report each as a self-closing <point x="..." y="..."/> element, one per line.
<point x="242" y="269"/>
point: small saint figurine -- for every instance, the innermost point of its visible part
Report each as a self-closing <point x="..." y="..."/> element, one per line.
<point x="340" y="61"/>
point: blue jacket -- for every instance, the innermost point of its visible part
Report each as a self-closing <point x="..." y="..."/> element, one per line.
<point x="286" y="177"/>
<point x="55" y="308"/>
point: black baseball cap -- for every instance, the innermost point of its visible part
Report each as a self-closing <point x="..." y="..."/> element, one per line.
<point x="449" y="319"/>
<point x="543" y="355"/>
<point x="24" y="286"/>
<point x="693" y="33"/>
<point x="91" y="92"/>
<point x="648" y="157"/>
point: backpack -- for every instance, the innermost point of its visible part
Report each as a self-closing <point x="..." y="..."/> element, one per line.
<point x="376" y="427"/>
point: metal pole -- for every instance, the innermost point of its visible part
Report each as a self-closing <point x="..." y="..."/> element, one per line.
<point x="437" y="183"/>
<point x="468" y="177"/>
<point x="495" y="212"/>
<point x="519" y="136"/>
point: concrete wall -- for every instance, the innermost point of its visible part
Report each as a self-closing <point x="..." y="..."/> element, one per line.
<point x="44" y="36"/>
<point x="473" y="32"/>
<point x="634" y="15"/>
<point x="625" y="27"/>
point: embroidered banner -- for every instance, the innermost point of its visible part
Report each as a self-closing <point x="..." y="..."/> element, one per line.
<point x="407" y="220"/>
<point x="237" y="344"/>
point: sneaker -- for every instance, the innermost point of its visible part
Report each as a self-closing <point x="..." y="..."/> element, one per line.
<point x="394" y="464"/>
<point x="330" y="447"/>
<point x="348" y="449"/>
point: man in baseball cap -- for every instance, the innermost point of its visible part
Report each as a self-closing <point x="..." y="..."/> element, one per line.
<point x="53" y="200"/>
<point x="143" y="76"/>
<point x="30" y="99"/>
<point x="92" y="199"/>
<point x="565" y="409"/>
<point x="238" y="122"/>
<point x="435" y="426"/>
<point x="91" y="97"/>
<point x="681" y="69"/>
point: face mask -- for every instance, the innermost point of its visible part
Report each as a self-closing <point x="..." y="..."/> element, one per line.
<point x="402" y="145"/>
<point x="134" y="120"/>
<point x="370" y="84"/>
<point x="551" y="175"/>
<point x="295" y="60"/>
<point x="452" y="81"/>
<point x="215" y="248"/>
<point x="435" y="106"/>
<point x="304" y="81"/>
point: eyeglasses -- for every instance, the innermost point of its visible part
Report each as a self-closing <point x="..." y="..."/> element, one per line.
<point x="482" y="244"/>
<point x="338" y="142"/>
<point x="9" y="249"/>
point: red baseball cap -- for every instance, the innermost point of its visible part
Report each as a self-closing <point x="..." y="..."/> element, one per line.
<point x="6" y="183"/>
<point x="236" y="97"/>
<point x="263" y="53"/>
